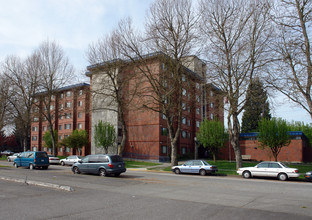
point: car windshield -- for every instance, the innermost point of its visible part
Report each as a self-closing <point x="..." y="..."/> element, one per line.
<point x="41" y="154"/>
<point x="116" y="158"/>
<point x="284" y="165"/>
<point x="206" y="163"/>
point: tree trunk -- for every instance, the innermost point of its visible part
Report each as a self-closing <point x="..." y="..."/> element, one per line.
<point x="124" y="137"/>
<point x="234" y="139"/>
<point x="214" y="157"/>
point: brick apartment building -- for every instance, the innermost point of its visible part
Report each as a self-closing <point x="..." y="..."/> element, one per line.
<point x="147" y="136"/>
<point x="70" y="107"/>
<point x="297" y="151"/>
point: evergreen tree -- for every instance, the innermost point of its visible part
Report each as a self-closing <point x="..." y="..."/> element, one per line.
<point x="256" y="107"/>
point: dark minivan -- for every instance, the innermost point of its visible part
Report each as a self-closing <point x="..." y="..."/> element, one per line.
<point x="32" y="159"/>
<point x="102" y="164"/>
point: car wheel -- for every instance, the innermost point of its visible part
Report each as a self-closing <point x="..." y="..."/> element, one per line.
<point x="62" y="163"/>
<point x="15" y="165"/>
<point x="31" y="166"/>
<point x="246" y="174"/>
<point x="282" y="176"/>
<point x="117" y="174"/>
<point x="76" y="170"/>
<point x="202" y="172"/>
<point x="102" y="172"/>
<point x="177" y="171"/>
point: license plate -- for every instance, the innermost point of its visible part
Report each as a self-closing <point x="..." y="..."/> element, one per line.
<point x="42" y="160"/>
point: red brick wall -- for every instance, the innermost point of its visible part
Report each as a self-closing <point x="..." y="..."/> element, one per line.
<point x="297" y="151"/>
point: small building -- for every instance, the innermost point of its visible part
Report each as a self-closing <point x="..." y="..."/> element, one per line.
<point x="297" y="151"/>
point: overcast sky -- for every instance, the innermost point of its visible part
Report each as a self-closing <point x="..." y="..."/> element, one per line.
<point x="74" y="24"/>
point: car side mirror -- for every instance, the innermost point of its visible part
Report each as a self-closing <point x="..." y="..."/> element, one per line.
<point x="80" y="161"/>
<point x="184" y="165"/>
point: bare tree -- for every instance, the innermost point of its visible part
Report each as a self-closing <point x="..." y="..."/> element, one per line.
<point x="23" y="80"/>
<point x="4" y="95"/>
<point x="236" y="33"/>
<point x="110" y="81"/>
<point x="292" y="74"/>
<point x="55" y="72"/>
<point x="170" y="31"/>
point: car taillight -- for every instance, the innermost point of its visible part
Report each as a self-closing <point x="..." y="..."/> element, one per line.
<point x="296" y="171"/>
<point x="110" y="165"/>
<point x="35" y="160"/>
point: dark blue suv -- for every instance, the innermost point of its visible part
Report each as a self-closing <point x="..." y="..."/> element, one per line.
<point x="102" y="164"/>
<point x="32" y="159"/>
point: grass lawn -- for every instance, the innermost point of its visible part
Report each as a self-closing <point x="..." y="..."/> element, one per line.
<point x="139" y="164"/>
<point x="3" y="157"/>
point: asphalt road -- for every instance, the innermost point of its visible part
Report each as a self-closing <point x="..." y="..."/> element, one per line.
<point x="150" y="195"/>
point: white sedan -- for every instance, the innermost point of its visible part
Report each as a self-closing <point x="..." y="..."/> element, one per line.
<point x="269" y="169"/>
<point x="12" y="157"/>
<point x="70" y="160"/>
<point x="53" y="159"/>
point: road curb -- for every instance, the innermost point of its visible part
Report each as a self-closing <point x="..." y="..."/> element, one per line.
<point x="37" y="183"/>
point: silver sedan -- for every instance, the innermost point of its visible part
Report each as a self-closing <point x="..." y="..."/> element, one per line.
<point x="70" y="160"/>
<point x="195" y="166"/>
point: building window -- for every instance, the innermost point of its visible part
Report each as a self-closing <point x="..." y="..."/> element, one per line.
<point x="79" y="114"/>
<point x="60" y="137"/>
<point x="80" y="92"/>
<point x="52" y="97"/>
<point x="36" y="119"/>
<point x="51" y="107"/>
<point x="60" y="127"/>
<point x="183" y="78"/>
<point x="67" y="115"/>
<point x="183" y="91"/>
<point x="61" y="106"/>
<point x="183" y="150"/>
<point x="184" y="120"/>
<point x="34" y="138"/>
<point x="197" y="124"/>
<point x="67" y="126"/>
<point x="198" y="111"/>
<point x="68" y="93"/>
<point x="44" y="128"/>
<point x="79" y="103"/>
<point x="189" y="122"/>
<point x="164" y="131"/>
<point x="35" y="109"/>
<point x="60" y="149"/>
<point x="183" y="134"/>
<point x="34" y="148"/>
<point x="197" y="98"/>
<point x="79" y="126"/>
<point x="62" y="96"/>
<point x="164" y="149"/>
<point x="211" y="105"/>
<point x="67" y="150"/>
<point x="197" y="86"/>
<point x="68" y="104"/>
<point x="211" y="116"/>
<point x="34" y="128"/>
<point x="211" y="93"/>
<point x="163" y="116"/>
<point x="183" y="106"/>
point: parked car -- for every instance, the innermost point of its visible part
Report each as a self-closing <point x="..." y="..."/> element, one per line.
<point x="12" y="157"/>
<point x="7" y="153"/>
<point x="308" y="176"/>
<point x="32" y="159"/>
<point x="70" y="160"/>
<point x="195" y="166"/>
<point x="53" y="159"/>
<point x="269" y="169"/>
<point x="102" y="164"/>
